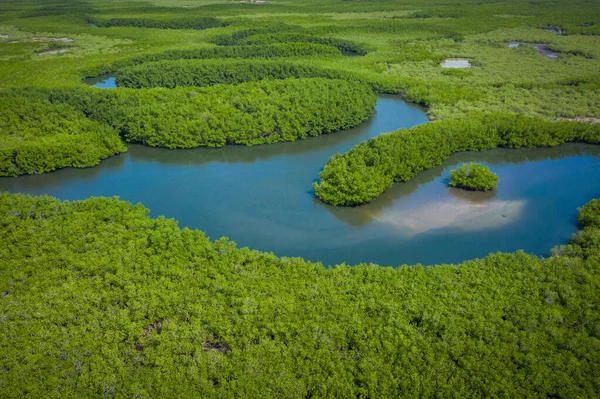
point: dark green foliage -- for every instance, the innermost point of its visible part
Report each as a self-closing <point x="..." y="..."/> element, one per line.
<point x="589" y="215"/>
<point x="473" y="176"/>
<point x="250" y="113"/>
<point x="278" y="50"/>
<point x="283" y="33"/>
<point x="37" y="136"/>
<point x="236" y="37"/>
<point x="97" y="299"/>
<point x="192" y="23"/>
<point x="208" y="73"/>
<point x="345" y="46"/>
<point x="371" y="167"/>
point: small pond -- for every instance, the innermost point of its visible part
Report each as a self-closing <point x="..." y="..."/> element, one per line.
<point x="261" y="197"/>
<point x="456" y="63"/>
<point x="544" y="51"/>
<point x="105" y="81"/>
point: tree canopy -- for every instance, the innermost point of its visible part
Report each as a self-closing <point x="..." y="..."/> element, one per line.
<point x="473" y="176"/>
<point x="98" y="299"/>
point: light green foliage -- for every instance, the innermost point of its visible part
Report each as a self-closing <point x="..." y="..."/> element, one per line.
<point x="589" y="215"/>
<point x="211" y="72"/>
<point x="249" y="113"/>
<point x="37" y="136"/>
<point x="97" y="299"/>
<point x="473" y="176"/>
<point x="196" y="23"/>
<point x="367" y="170"/>
<point x="278" y="50"/>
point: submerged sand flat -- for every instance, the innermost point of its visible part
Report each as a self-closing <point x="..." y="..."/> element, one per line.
<point x="454" y="213"/>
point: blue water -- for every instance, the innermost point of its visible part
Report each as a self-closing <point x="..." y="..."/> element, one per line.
<point x="261" y="197"/>
<point x="106" y="81"/>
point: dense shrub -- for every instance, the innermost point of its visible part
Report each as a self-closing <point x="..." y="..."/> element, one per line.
<point x="346" y="46"/>
<point x="236" y="37"/>
<point x="473" y="176"/>
<point x="97" y="299"/>
<point x="589" y="215"/>
<point x="37" y="136"/>
<point x="371" y="167"/>
<point x="277" y="50"/>
<point x="211" y="72"/>
<point x="192" y="23"/>
<point x="249" y="113"/>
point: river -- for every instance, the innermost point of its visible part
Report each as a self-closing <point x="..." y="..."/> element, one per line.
<point x="261" y="197"/>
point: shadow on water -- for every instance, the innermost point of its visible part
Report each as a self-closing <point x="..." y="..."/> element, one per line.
<point x="244" y="154"/>
<point x="231" y="154"/>
<point x="41" y="184"/>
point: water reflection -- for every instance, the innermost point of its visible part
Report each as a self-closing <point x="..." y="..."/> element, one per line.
<point x="233" y="154"/>
<point x="104" y="81"/>
<point x="40" y="184"/>
<point x="474" y="197"/>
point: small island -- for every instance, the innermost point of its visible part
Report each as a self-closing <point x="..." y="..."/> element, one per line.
<point x="473" y="176"/>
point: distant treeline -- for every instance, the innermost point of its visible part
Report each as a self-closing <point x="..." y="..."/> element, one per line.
<point x="100" y="300"/>
<point x="367" y="170"/>
<point x="38" y="136"/>
<point x="286" y="34"/>
<point x="178" y="73"/>
<point x="191" y="23"/>
<point x="235" y="38"/>
<point x="278" y="50"/>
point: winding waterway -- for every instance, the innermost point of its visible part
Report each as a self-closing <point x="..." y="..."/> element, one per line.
<point x="261" y="197"/>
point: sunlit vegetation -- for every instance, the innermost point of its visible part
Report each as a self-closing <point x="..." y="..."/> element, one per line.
<point x="100" y="300"/>
<point x="37" y="136"/>
<point x="473" y="176"/>
<point x="285" y="34"/>
<point x="208" y="73"/>
<point x="366" y="171"/>
<point x="279" y="50"/>
<point x="198" y="23"/>
<point x="250" y="113"/>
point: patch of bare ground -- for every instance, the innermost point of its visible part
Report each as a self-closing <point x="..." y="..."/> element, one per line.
<point x="214" y="344"/>
<point x="589" y="119"/>
<point x="149" y="330"/>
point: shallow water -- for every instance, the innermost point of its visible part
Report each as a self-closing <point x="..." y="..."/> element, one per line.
<point x="544" y="51"/>
<point x="261" y="197"/>
<point x="457" y="63"/>
<point x="58" y="51"/>
<point x="105" y="81"/>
